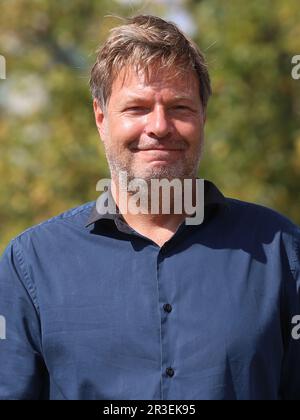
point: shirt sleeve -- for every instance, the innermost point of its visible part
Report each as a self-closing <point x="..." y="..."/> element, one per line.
<point x="22" y="371"/>
<point x="291" y="363"/>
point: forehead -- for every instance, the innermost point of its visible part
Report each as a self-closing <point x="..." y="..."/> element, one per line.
<point x="131" y="81"/>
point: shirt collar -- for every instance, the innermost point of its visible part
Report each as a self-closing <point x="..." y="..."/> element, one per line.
<point x="212" y="197"/>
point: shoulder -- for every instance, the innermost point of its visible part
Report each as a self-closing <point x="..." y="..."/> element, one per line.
<point x="74" y="218"/>
<point x="253" y="215"/>
<point x="257" y="225"/>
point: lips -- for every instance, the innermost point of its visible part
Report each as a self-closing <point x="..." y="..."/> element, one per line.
<point x="165" y="147"/>
<point x="157" y="146"/>
<point x="159" y="155"/>
<point x="159" y="150"/>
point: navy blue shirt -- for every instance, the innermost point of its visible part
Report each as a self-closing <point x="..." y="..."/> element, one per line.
<point x="94" y="310"/>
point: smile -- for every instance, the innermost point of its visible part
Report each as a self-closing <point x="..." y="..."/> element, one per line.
<point x="157" y="150"/>
<point x="151" y="155"/>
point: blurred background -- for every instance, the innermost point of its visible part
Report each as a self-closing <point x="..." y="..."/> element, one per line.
<point x="50" y="153"/>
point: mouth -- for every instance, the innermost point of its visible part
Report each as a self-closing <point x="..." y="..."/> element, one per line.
<point x="161" y="155"/>
<point x="158" y="150"/>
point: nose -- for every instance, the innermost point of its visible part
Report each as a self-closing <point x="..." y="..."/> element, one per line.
<point x="158" y="125"/>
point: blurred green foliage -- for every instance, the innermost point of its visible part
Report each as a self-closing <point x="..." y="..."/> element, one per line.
<point x="253" y="127"/>
<point x="50" y="153"/>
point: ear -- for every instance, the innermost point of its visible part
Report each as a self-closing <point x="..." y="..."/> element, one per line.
<point x="99" y="117"/>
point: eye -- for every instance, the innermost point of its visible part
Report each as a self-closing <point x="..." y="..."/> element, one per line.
<point x="181" y="107"/>
<point x="136" y="109"/>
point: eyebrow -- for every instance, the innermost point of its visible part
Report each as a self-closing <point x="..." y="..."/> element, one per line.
<point x="182" y="98"/>
<point x="177" y="98"/>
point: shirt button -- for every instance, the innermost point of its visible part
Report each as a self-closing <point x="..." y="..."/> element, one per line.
<point x="170" y="372"/>
<point x="167" y="307"/>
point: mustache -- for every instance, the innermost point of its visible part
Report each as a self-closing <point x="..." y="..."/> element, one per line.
<point x="153" y="144"/>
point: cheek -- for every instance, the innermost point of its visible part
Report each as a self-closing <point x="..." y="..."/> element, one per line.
<point x="127" y="129"/>
<point x="190" y="130"/>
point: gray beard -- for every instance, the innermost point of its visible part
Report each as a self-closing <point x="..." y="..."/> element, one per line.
<point x="181" y="170"/>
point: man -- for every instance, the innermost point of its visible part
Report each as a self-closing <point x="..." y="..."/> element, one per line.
<point x="145" y="306"/>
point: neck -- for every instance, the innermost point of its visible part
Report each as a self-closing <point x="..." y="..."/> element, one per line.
<point x="158" y="225"/>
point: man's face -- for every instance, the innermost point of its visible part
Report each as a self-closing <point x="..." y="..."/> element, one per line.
<point x="153" y="129"/>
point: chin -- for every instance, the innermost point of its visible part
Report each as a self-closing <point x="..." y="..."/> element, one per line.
<point x="162" y="172"/>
